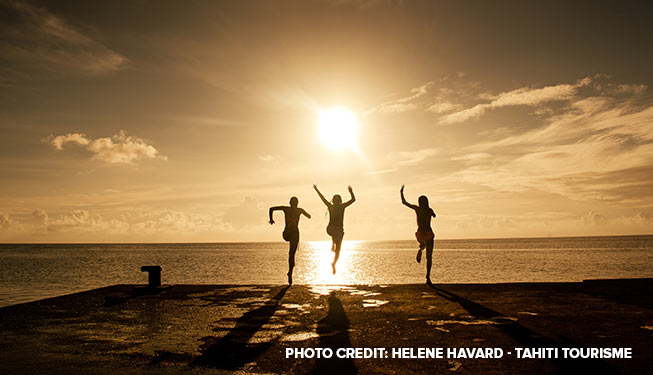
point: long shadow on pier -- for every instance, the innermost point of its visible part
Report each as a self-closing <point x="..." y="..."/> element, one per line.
<point x="333" y="330"/>
<point x="233" y="350"/>
<point x="529" y="338"/>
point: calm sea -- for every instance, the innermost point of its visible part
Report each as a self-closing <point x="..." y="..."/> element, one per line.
<point x="30" y="272"/>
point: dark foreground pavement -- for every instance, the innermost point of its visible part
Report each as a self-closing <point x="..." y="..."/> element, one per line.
<point x="246" y="329"/>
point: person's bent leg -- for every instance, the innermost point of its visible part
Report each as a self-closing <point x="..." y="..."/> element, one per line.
<point x="419" y="236"/>
<point x="429" y="260"/>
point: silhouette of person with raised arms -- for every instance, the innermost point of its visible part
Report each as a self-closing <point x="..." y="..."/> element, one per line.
<point x="424" y="232"/>
<point x="336" y="229"/>
<point x="292" y="214"/>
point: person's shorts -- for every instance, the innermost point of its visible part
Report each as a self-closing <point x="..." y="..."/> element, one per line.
<point x="334" y="231"/>
<point x="291" y="235"/>
<point x="424" y="237"/>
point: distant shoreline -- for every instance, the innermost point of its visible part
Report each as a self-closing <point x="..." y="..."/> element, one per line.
<point x="352" y="240"/>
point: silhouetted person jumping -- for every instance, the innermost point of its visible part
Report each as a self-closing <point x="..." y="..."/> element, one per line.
<point x="336" y="229"/>
<point x="291" y="231"/>
<point x="424" y="232"/>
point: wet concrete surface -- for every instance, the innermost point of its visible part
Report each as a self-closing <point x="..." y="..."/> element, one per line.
<point x="246" y="329"/>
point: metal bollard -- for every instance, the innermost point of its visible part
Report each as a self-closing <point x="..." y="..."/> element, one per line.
<point x="153" y="275"/>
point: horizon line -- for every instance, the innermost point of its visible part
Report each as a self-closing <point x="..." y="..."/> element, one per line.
<point x="376" y="240"/>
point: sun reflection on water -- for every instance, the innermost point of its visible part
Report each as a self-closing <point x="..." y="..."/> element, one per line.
<point x="319" y="261"/>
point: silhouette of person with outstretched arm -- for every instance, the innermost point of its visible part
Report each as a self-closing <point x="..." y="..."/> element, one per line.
<point x="292" y="214"/>
<point x="424" y="232"/>
<point x="336" y="229"/>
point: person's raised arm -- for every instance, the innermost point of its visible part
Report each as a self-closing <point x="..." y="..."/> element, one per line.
<point x="326" y="202"/>
<point x="403" y="199"/>
<point x="353" y="198"/>
<point x="272" y="209"/>
<point x="305" y="213"/>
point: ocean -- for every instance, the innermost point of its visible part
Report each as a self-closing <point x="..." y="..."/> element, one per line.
<point x="34" y="271"/>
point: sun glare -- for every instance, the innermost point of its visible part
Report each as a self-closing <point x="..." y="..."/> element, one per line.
<point x="338" y="129"/>
<point x="318" y="264"/>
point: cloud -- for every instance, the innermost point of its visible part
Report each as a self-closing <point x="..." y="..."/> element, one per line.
<point x="78" y="138"/>
<point x="464" y="115"/>
<point x="5" y="222"/>
<point x="120" y="148"/>
<point x="473" y="157"/>
<point x="595" y="148"/>
<point x="33" y="38"/>
<point x="445" y="97"/>
<point x="155" y="224"/>
<point x="406" y="158"/>
<point x="540" y="223"/>
<point x="397" y="107"/>
<point x="523" y="96"/>
<point x="269" y="158"/>
<point x="83" y="225"/>
<point x="76" y="219"/>
<point x="404" y="104"/>
<point x="380" y="171"/>
<point x="36" y="223"/>
<point x="246" y="214"/>
<point x="529" y="96"/>
<point x="630" y="89"/>
<point x="643" y="218"/>
<point x="612" y="88"/>
<point x="443" y="107"/>
<point x="594" y="218"/>
<point x="40" y="219"/>
<point x="495" y="222"/>
<point x="438" y="96"/>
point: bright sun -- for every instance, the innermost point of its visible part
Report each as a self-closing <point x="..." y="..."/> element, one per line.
<point x="338" y="129"/>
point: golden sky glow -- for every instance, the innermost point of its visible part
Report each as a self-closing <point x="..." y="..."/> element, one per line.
<point x="186" y="121"/>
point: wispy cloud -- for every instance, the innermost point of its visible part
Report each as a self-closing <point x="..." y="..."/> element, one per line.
<point x="380" y="171"/>
<point x="443" y="107"/>
<point x="119" y="148"/>
<point x="403" y="104"/>
<point x="439" y="96"/>
<point x="597" y="148"/>
<point x="406" y="158"/>
<point x="35" y="39"/>
<point x="268" y="158"/>
<point x="523" y="96"/>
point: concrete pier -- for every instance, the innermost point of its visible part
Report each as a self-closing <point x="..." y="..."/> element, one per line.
<point x="248" y="329"/>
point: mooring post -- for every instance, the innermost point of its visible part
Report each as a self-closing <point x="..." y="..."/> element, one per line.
<point x="153" y="275"/>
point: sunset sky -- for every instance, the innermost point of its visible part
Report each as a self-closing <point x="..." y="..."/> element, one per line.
<point x="175" y="121"/>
